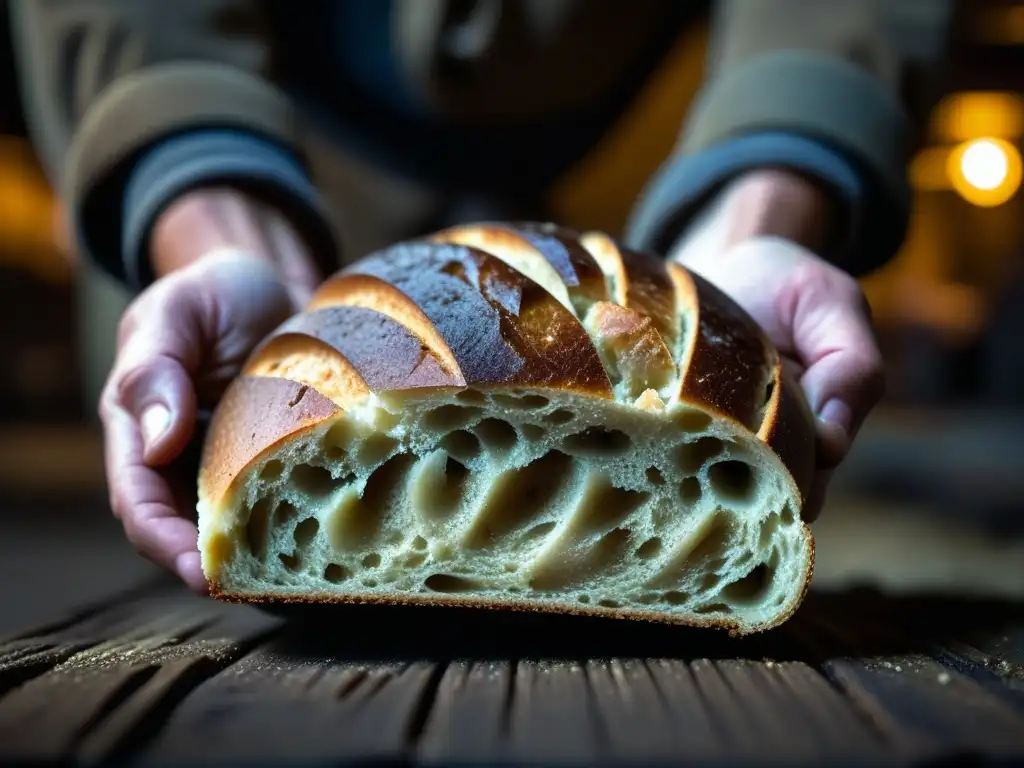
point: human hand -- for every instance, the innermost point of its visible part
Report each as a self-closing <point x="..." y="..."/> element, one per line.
<point x="229" y="274"/>
<point x="756" y="246"/>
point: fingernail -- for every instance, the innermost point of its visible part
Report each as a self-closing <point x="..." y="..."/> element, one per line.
<point x="154" y="422"/>
<point x="837" y="414"/>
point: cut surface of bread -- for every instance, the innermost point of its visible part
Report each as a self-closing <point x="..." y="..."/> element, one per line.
<point x="477" y="419"/>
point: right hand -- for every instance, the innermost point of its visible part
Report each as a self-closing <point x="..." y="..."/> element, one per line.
<point x="229" y="272"/>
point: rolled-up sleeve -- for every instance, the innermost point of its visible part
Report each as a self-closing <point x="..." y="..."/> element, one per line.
<point x="801" y="84"/>
<point x="122" y="92"/>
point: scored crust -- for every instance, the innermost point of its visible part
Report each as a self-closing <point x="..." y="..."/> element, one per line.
<point x="518" y="416"/>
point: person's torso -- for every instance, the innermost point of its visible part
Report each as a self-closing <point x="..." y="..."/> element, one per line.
<point x="476" y="93"/>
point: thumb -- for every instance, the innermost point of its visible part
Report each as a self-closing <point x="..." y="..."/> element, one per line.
<point x="158" y="394"/>
<point x="152" y="380"/>
<point x="844" y="377"/>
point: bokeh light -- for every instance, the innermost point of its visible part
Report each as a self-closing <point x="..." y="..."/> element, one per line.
<point x="986" y="172"/>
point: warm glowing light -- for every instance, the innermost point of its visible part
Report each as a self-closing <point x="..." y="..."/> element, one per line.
<point x="985" y="172"/>
<point x="984" y="164"/>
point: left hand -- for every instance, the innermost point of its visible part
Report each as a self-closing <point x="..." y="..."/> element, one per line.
<point x="756" y="244"/>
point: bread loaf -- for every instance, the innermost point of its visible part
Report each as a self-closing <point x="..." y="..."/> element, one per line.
<point x="514" y="416"/>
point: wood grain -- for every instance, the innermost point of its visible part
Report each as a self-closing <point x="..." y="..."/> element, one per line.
<point x="157" y="674"/>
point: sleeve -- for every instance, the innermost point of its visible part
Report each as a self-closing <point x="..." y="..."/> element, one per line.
<point x="131" y="102"/>
<point x="824" y="88"/>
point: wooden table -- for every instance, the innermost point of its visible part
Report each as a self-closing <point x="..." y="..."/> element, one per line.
<point x="156" y="675"/>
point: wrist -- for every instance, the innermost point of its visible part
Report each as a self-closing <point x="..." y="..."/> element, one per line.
<point x="760" y="203"/>
<point x="203" y="222"/>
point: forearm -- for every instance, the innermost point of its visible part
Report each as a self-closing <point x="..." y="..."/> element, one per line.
<point x="762" y="203"/>
<point x="787" y="89"/>
<point x="175" y="101"/>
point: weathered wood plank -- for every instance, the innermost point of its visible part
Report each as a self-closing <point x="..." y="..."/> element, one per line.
<point x="175" y="678"/>
<point x="634" y="718"/>
<point x="103" y="692"/>
<point x="552" y="717"/>
<point x="925" y="708"/>
<point x="469" y="720"/>
<point x="689" y="712"/>
<point x="177" y="670"/>
<point x="831" y="718"/>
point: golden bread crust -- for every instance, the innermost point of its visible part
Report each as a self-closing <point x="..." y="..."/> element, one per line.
<point x="254" y="415"/>
<point x="502" y="328"/>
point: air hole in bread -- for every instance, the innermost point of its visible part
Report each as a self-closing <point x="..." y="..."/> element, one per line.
<point x="733" y="480"/>
<point x="690" y="490"/>
<point x="419" y="543"/>
<point x="675" y="597"/>
<point x="717" y="533"/>
<point x="370" y="583"/>
<point x="603" y="506"/>
<point x="375" y="449"/>
<point x="705" y="543"/>
<point x="650" y="548"/>
<point x="258" y="526"/>
<point x="312" y="481"/>
<point x="532" y="432"/>
<point x="598" y="441"/>
<point x="751" y="588"/>
<point x="338" y="438"/>
<point x="654" y="476"/>
<point x="444" y="582"/>
<point x="291" y="562"/>
<point x="462" y="445"/>
<point x="272" y="470"/>
<point x="769" y="390"/>
<point x="523" y="403"/>
<point x="450" y="417"/>
<point x="285" y="513"/>
<point x="519" y="496"/>
<point x="559" y="416"/>
<point x="710" y="582"/>
<point x="559" y="570"/>
<point x="584" y="599"/>
<point x="690" y="457"/>
<point x="471" y="397"/>
<point x="606" y="603"/>
<point x="415" y="559"/>
<point x="769" y="527"/>
<point x="540" y="531"/>
<point x="712" y="608"/>
<point x="690" y="420"/>
<point x="786" y="516"/>
<point x="335" y="573"/>
<point x="438" y="486"/>
<point x="455" y="269"/>
<point x="497" y="434"/>
<point x="358" y="520"/>
<point x="305" y="532"/>
<point x="372" y="560"/>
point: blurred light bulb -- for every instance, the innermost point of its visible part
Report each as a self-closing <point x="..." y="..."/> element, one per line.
<point x="984" y="164"/>
<point x="985" y="172"/>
